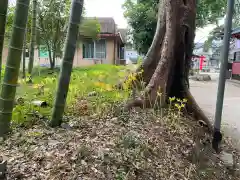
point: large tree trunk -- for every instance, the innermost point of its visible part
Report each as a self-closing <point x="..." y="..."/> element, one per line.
<point x="167" y="62"/>
<point x="52" y="63"/>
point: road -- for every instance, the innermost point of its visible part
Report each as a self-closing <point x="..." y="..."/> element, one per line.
<point x="205" y="94"/>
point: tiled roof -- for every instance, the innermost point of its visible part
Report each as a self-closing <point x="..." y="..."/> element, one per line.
<point x="107" y="24"/>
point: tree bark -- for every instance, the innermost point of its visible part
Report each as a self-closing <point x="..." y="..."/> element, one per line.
<point x="167" y="63"/>
<point x="52" y="64"/>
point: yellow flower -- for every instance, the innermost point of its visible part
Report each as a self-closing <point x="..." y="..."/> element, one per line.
<point x="172" y="98"/>
<point x="108" y="87"/>
<point x="177" y="105"/>
<point x="36" y="86"/>
<point x="99" y="84"/>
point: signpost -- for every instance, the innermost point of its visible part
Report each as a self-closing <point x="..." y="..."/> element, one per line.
<point x="217" y="136"/>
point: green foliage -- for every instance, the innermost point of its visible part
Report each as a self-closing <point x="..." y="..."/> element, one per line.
<point x="142" y="16"/>
<point x="99" y="79"/>
<point x="9" y="25"/>
<point x="143" y="20"/>
<point x="209" y="11"/>
<point x="90" y="28"/>
<point x="52" y="18"/>
<point x="140" y="60"/>
<point x="216" y="34"/>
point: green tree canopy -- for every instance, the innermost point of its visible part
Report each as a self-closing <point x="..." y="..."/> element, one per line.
<point x="52" y="17"/>
<point x="142" y="17"/>
<point x="9" y="25"/>
<point x="90" y="28"/>
<point x="218" y="32"/>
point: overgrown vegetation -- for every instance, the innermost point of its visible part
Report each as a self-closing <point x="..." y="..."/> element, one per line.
<point x="98" y="140"/>
<point x="92" y="85"/>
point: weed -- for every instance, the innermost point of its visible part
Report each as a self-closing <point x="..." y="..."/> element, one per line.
<point x="98" y="78"/>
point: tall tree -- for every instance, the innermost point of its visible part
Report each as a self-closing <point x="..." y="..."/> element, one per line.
<point x="167" y="62"/>
<point x="218" y="32"/>
<point x="52" y="19"/>
<point x="142" y="17"/>
<point x="10" y="80"/>
<point x="67" y="62"/>
<point x="3" y="17"/>
<point x="33" y="38"/>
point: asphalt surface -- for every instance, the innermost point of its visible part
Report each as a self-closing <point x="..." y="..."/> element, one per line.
<point x="205" y="94"/>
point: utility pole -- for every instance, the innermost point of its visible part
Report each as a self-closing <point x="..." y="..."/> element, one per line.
<point x="217" y="136"/>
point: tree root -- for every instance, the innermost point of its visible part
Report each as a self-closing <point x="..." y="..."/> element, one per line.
<point x="197" y="112"/>
<point x="193" y="110"/>
<point x="168" y="60"/>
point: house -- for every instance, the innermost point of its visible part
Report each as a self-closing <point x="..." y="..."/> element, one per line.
<point x="212" y="54"/>
<point x="198" y="52"/>
<point x="234" y="52"/>
<point x="108" y="49"/>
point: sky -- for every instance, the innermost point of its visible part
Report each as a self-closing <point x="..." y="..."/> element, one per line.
<point x="107" y="8"/>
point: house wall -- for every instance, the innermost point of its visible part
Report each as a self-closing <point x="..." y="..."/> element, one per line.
<point x="80" y="61"/>
<point x="234" y="47"/>
<point x="37" y="61"/>
<point x="78" y="58"/>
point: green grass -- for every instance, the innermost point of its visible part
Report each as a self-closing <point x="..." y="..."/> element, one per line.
<point x="99" y="79"/>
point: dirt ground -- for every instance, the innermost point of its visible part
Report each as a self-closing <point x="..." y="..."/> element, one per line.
<point x="138" y="145"/>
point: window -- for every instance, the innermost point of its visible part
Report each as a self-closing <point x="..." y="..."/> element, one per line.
<point x="237" y="56"/>
<point x="94" y="49"/>
<point x="88" y="49"/>
<point x="100" y="49"/>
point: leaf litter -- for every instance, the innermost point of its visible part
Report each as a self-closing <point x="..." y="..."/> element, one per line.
<point x="125" y="146"/>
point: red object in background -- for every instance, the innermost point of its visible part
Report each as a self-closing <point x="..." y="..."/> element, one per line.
<point x="201" y="60"/>
<point x="236" y="68"/>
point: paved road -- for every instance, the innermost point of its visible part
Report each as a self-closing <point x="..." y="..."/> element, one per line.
<point x="205" y="94"/>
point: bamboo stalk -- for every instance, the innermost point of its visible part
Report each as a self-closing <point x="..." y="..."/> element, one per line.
<point x="67" y="62"/>
<point x="10" y="80"/>
<point x="3" y="17"/>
